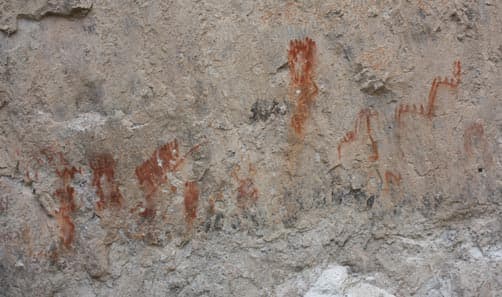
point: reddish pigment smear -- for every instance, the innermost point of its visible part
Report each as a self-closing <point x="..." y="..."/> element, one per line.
<point x="363" y="119"/>
<point x="67" y="206"/>
<point x="392" y="178"/>
<point x="152" y="173"/>
<point x="247" y="193"/>
<point x="428" y="110"/>
<point x="66" y="226"/>
<point x="191" y="200"/>
<point x="65" y="194"/>
<point x="103" y="168"/>
<point x="474" y="131"/>
<point x="301" y="56"/>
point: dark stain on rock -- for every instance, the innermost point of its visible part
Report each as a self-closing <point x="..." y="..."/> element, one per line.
<point x="263" y="109"/>
<point x="90" y="96"/>
<point x="370" y="201"/>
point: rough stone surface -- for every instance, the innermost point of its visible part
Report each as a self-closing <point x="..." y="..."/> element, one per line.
<point x="335" y="282"/>
<point x="12" y="10"/>
<point x="250" y="148"/>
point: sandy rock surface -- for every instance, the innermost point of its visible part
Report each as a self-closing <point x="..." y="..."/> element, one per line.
<point x="250" y="148"/>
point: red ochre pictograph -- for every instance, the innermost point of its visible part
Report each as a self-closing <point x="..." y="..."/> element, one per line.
<point x="391" y="178"/>
<point x="103" y="178"/>
<point x="191" y="201"/>
<point x="65" y="194"/>
<point x="428" y="111"/>
<point x="473" y="133"/>
<point x="247" y="193"/>
<point x="152" y="173"/>
<point x="301" y="62"/>
<point x="363" y="121"/>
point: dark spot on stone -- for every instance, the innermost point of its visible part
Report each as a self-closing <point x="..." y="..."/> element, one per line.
<point x="235" y="222"/>
<point x="218" y="221"/>
<point x="289" y="221"/>
<point x="263" y="109"/>
<point x="336" y="197"/>
<point x="207" y="226"/>
<point x="347" y="53"/>
<point x="91" y="28"/>
<point x="90" y="96"/>
<point x="358" y="195"/>
<point x="331" y="13"/>
<point x="4" y="99"/>
<point x="370" y="201"/>
<point x="283" y="67"/>
<point x="421" y="13"/>
<point x="254" y="219"/>
<point x="298" y="268"/>
<point x="480" y="169"/>
<point x="454" y="17"/>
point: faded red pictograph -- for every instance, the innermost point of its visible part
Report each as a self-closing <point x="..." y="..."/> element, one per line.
<point x="191" y="201"/>
<point x="211" y="209"/>
<point x="428" y="111"/>
<point x="152" y="173"/>
<point x="474" y="133"/>
<point x="103" y="178"/>
<point x="247" y="193"/>
<point x="65" y="194"/>
<point x="301" y="62"/>
<point x="475" y="138"/>
<point x="363" y="121"/>
<point x="391" y="178"/>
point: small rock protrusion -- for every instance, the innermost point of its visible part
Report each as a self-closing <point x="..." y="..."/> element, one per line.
<point x="371" y="83"/>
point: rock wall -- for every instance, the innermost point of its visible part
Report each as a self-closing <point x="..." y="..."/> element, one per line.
<point x="250" y="148"/>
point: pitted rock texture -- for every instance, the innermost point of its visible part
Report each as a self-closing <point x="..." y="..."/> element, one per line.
<point x="250" y="148"/>
<point x="12" y="10"/>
